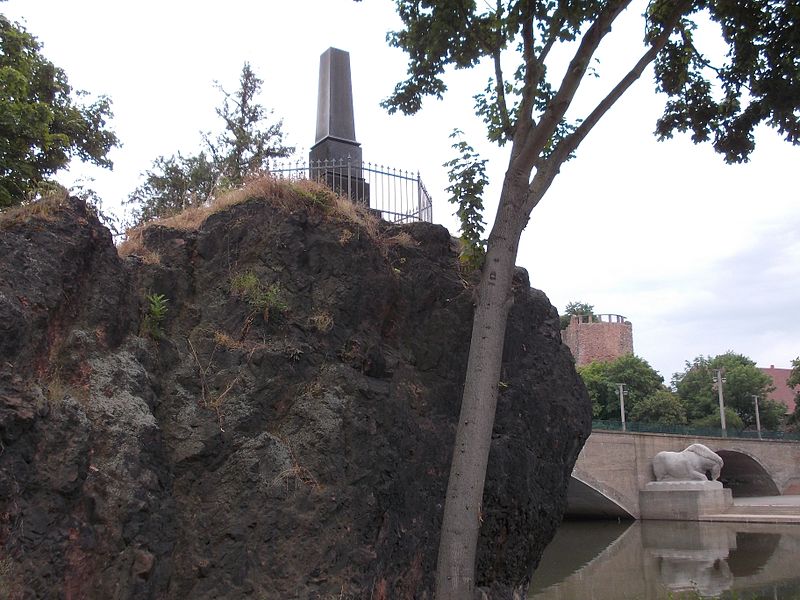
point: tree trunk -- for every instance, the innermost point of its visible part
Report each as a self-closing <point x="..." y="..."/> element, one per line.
<point x="455" y="571"/>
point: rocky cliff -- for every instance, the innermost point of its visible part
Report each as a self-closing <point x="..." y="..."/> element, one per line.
<point x="259" y="402"/>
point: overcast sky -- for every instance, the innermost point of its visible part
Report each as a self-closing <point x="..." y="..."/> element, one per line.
<point x="701" y="257"/>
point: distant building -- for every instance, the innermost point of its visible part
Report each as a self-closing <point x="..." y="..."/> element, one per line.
<point x="783" y="393"/>
<point x="598" y="337"/>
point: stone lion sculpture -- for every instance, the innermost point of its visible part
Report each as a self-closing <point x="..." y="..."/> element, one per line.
<point x="690" y="465"/>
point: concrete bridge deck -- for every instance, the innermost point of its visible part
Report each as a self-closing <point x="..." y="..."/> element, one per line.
<point x="614" y="466"/>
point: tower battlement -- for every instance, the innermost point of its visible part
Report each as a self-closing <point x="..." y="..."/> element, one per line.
<point x="601" y="337"/>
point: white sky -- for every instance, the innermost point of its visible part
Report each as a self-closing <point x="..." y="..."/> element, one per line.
<point x="701" y="257"/>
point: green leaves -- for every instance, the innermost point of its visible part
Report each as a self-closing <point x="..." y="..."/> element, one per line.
<point x="758" y="82"/>
<point x="579" y="308"/>
<point x="438" y="34"/>
<point x="661" y="407"/>
<point x="793" y="382"/>
<point x="248" y="141"/>
<point x="794" y="378"/>
<point x="173" y="184"/>
<point x="575" y="308"/>
<point x="153" y="321"/>
<point x="601" y="379"/>
<point x="41" y="126"/>
<point x="743" y="380"/>
<point x="242" y="150"/>
<point x="266" y="299"/>
<point x="492" y="109"/>
<point x="467" y="176"/>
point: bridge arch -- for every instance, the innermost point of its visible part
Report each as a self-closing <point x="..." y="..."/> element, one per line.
<point x="588" y="498"/>
<point x="745" y="475"/>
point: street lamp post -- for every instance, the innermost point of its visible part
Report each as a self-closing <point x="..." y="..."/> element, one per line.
<point x="720" y="379"/>
<point x="758" y="418"/>
<point x="621" y="393"/>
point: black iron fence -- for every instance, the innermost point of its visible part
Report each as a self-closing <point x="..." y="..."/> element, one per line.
<point x="399" y="196"/>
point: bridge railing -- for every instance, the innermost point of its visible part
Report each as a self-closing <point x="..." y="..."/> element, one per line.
<point x="636" y="427"/>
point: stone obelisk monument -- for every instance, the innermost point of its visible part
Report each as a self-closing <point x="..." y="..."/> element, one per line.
<point x="336" y="156"/>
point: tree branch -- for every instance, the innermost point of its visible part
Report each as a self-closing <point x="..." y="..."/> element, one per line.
<point x="552" y="35"/>
<point x="533" y="69"/>
<point x="571" y="80"/>
<point x="544" y="176"/>
<point x="525" y="116"/>
<point x="501" y="95"/>
<point x="508" y="129"/>
<point x="700" y="58"/>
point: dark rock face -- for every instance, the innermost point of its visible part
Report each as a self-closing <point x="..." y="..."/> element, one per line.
<point x="289" y="433"/>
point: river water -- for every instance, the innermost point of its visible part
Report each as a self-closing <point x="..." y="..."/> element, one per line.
<point x="649" y="560"/>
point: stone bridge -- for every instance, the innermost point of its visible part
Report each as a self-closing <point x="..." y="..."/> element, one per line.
<point x="614" y="466"/>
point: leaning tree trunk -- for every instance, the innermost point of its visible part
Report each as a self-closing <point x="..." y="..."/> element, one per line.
<point x="455" y="571"/>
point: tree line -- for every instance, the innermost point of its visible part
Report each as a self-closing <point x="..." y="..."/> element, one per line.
<point x="691" y="397"/>
<point x="44" y="125"/>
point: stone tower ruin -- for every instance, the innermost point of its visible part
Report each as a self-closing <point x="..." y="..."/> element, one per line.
<point x="598" y="337"/>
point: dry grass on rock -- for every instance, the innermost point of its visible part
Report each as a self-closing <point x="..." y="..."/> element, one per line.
<point x="283" y="194"/>
<point x="44" y="208"/>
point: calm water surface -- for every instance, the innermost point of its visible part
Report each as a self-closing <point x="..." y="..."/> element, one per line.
<point x="644" y="560"/>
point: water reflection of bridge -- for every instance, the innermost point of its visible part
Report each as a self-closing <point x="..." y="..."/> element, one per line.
<point x="614" y="466"/>
<point x="653" y="559"/>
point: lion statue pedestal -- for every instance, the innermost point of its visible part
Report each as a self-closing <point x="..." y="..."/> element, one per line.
<point x="682" y="490"/>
